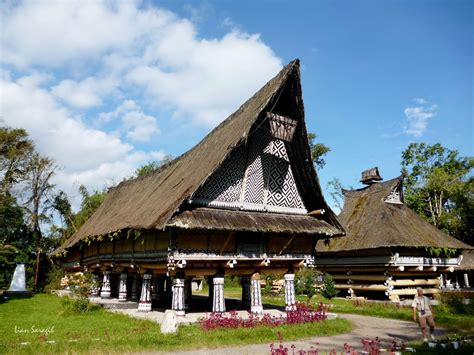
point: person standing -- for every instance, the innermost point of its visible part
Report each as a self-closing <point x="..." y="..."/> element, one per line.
<point x="421" y="305"/>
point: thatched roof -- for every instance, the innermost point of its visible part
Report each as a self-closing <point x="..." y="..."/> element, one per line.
<point x="467" y="262"/>
<point x="149" y="202"/>
<point x="370" y="223"/>
<point x="225" y="220"/>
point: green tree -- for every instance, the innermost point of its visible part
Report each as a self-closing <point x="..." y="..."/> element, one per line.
<point x="152" y="166"/>
<point x="90" y="202"/>
<point x="39" y="189"/>
<point x="329" y="287"/>
<point x="15" y="149"/>
<point x="305" y="280"/>
<point x="318" y="151"/>
<point x="438" y="186"/>
<point x="335" y="190"/>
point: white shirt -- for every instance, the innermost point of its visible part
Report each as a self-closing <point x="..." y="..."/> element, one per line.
<point x="422" y="304"/>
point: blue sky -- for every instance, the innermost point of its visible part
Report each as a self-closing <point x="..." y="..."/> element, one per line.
<point x="105" y="87"/>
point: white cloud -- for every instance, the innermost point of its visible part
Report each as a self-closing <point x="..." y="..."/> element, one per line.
<point x="138" y="126"/>
<point x="85" y="155"/>
<point x="418" y="118"/>
<point x="89" y="57"/>
<point x="56" y="33"/>
<point x="206" y="79"/>
<point x="86" y="93"/>
<point x="420" y="101"/>
<point x="200" y="79"/>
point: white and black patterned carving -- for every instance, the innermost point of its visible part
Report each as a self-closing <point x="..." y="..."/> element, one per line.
<point x="256" y="176"/>
<point x="258" y="167"/>
<point x="105" y="291"/>
<point x="290" y="299"/>
<point x="218" y="301"/>
<point x="178" y="297"/>
<point x="145" y="298"/>
<point x="282" y="189"/>
<point x="226" y="183"/>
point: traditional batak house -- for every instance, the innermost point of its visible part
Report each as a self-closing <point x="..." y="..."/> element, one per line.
<point x="388" y="250"/>
<point x="246" y="200"/>
<point x="464" y="273"/>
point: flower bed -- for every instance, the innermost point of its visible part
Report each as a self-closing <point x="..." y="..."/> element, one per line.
<point x="303" y="313"/>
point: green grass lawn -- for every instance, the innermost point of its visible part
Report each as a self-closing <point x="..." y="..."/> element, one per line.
<point x="28" y="320"/>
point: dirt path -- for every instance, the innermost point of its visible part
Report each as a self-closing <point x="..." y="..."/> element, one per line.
<point x="363" y="326"/>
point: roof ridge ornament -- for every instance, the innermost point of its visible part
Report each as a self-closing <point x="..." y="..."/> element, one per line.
<point x="371" y="176"/>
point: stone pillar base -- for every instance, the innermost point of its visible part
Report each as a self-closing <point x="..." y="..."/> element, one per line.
<point x="105" y="294"/>
<point x="144" y="307"/>
<point x="256" y="309"/>
<point x="122" y="297"/>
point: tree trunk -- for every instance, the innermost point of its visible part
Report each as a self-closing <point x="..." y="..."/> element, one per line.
<point x="38" y="253"/>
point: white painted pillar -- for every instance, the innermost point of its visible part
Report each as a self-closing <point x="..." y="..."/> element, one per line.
<point x="256" y="297"/>
<point x="218" y="300"/>
<point x="145" y="299"/>
<point x="246" y="294"/>
<point x="123" y="287"/>
<point x="466" y="280"/>
<point x="135" y="286"/>
<point x="178" y="297"/>
<point x="105" y="291"/>
<point x="290" y="299"/>
<point x="95" y="289"/>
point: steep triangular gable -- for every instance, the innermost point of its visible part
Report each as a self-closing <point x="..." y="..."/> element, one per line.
<point x="257" y="176"/>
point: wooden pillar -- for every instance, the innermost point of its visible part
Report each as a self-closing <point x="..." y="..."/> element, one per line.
<point x="122" y="296"/>
<point x="155" y="291"/>
<point x="218" y="303"/>
<point x="105" y="291"/>
<point x="211" y="291"/>
<point x="290" y="299"/>
<point x="169" y="291"/>
<point x="135" y="286"/>
<point x="256" y="295"/>
<point x="145" y="299"/>
<point x="188" y="293"/>
<point x="246" y="294"/>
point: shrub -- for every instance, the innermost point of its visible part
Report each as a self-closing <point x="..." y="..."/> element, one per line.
<point x="329" y="288"/>
<point x="305" y="280"/>
<point x="53" y="279"/>
<point x="458" y="303"/>
<point x="303" y="313"/>
<point x="267" y="290"/>
<point x="71" y="306"/>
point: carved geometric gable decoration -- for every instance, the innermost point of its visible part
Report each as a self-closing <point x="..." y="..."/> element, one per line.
<point x="282" y="127"/>
<point x="395" y="196"/>
<point x="255" y="177"/>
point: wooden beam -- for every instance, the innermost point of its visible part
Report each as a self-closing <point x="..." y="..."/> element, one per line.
<point x="286" y="244"/>
<point x="360" y="287"/>
<point x="415" y="282"/>
<point x="226" y="242"/>
<point x="412" y="291"/>
<point x="360" y="277"/>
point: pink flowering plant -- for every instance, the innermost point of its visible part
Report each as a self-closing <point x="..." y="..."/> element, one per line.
<point x="303" y="313"/>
